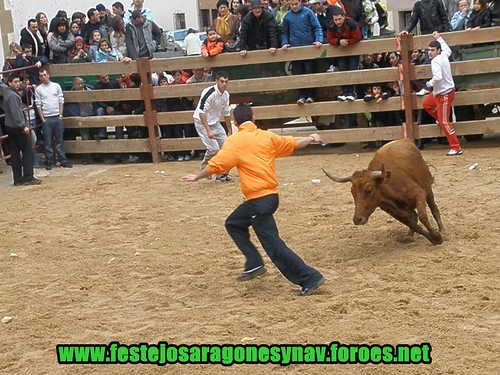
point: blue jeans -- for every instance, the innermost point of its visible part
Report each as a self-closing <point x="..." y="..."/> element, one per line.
<point x="36" y="163"/>
<point x="101" y="132"/>
<point x="347" y="64"/>
<point x="258" y="213"/>
<point x="53" y="128"/>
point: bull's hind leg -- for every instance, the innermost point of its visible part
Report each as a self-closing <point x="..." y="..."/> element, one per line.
<point x="435" y="236"/>
<point x="435" y="210"/>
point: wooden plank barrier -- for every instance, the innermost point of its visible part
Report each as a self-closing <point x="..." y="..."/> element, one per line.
<point x="267" y="89"/>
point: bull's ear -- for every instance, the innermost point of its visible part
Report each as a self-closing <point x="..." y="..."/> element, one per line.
<point x="385" y="174"/>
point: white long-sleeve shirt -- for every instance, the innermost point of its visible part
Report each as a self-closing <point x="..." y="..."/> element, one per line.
<point x="442" y="80"/>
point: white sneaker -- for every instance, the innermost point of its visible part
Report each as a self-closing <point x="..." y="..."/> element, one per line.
<point x="180" y="158"/>
<point x="342" y="98"/>
<point x="187" y="158"/>
<point x="309" y="100"/>
<point x="422" y="92"/>
<point x="350" y="98"/>
<point x="301" y="101"/>
<point x="454" y="152"/>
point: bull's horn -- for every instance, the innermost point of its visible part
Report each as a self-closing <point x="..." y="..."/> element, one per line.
<point x="336" y="178"/>
<point x="380" y="173"/>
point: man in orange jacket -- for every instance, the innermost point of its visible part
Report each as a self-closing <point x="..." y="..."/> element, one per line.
<point x="253" y="152"/>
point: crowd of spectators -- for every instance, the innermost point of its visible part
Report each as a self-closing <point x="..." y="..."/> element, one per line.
<point x="127" y="33"/>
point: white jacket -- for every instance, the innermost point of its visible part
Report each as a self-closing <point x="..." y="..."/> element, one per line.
<point x="442" y="81"/>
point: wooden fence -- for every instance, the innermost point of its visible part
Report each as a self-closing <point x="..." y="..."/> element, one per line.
<point x="251" y="89"/>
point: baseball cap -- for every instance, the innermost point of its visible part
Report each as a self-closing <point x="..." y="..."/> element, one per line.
<point x="100" y="7"/>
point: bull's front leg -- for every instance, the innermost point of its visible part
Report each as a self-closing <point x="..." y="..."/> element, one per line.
<point x="414" y="217"/>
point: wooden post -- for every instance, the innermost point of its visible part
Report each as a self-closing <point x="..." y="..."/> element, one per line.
<point x="409" y="100"/>
<point x="7" y="27"/>
<point x="150" y="118"/>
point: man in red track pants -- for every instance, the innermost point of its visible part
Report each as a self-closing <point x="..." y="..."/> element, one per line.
<point x="438" y="102"/>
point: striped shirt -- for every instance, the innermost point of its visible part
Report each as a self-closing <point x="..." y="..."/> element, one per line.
<point x="213" y="104"/>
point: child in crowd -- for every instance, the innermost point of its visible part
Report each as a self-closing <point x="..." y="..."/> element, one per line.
<point x="155" y="77"/>
<point x="79" y="52"/>
<point x="105" y="52"/>
<point x="232" y="43"/>
<point x="376" y="93"/>
<point x="213" y="45"/>
<point x="94" y="46"/>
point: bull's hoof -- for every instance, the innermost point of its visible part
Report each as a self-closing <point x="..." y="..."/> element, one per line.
<point x="437" y="239"/>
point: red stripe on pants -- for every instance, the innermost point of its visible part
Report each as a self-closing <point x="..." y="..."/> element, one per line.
<point x="440" y="107"/>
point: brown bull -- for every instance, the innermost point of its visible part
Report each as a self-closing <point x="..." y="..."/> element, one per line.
<point x="398" y="181"/>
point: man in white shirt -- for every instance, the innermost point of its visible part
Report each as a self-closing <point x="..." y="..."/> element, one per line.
<point x="49" y="102"/>
<point x="214" y="103"/>
<point x="438" y="102"/>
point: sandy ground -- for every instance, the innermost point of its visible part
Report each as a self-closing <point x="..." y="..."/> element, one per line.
<point x="131" y="254"/>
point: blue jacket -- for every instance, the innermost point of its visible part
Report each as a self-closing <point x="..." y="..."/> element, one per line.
<point x="301" y="28"/>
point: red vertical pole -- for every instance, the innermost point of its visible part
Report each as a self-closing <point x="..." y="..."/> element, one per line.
<point x="409" y="100"/>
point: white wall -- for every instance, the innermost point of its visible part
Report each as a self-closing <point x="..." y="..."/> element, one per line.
<point x="163" y="11"/>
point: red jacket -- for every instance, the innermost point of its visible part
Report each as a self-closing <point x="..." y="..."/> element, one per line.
<point x="213" y="48"/>
<point x="349" y="30"/>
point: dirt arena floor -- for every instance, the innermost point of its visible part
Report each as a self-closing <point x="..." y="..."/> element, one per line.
<point x="130" y="253"/>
